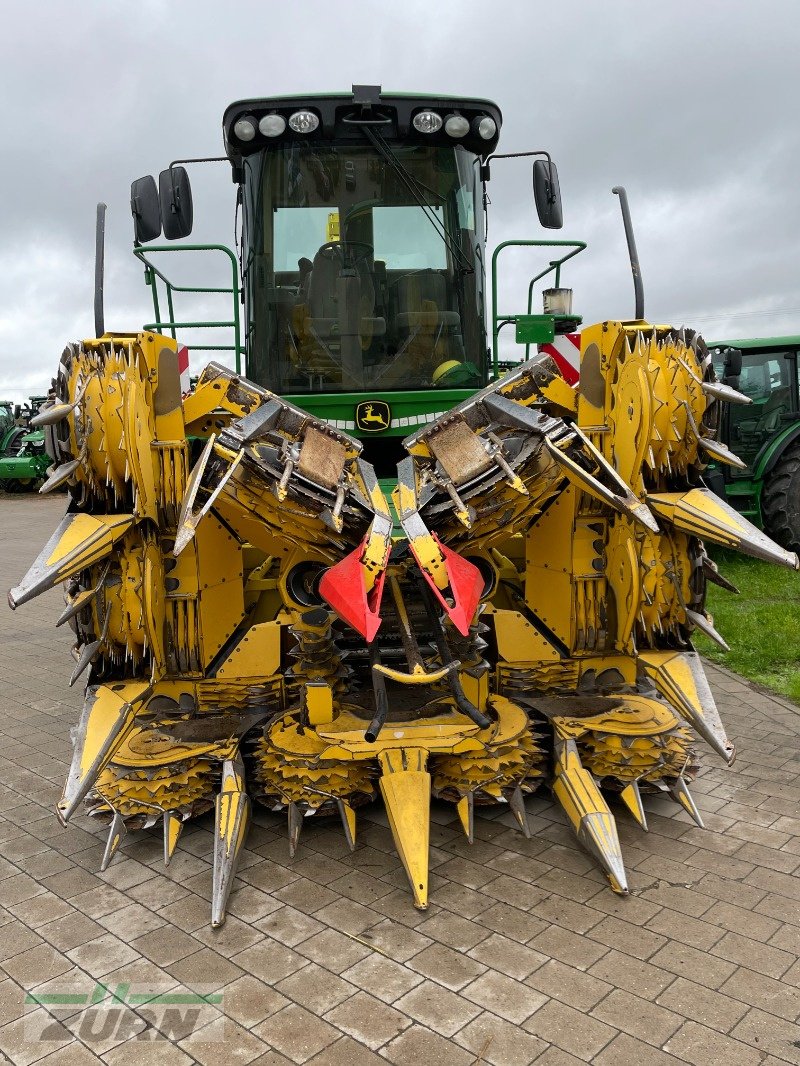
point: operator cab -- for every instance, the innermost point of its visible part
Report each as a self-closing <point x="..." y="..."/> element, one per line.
<point x="363" y="239"/>
<point x="362" y="255"/>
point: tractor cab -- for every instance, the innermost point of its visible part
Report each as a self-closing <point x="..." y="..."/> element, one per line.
<point x="765" y="433"/>
<point x="362" y="267"/>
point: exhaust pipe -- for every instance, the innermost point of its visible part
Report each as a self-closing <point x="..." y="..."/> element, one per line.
<point x="638" y="290"/>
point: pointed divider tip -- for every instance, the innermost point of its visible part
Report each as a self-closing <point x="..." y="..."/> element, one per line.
<point x="632" y="798"/>
<point x="516" y="802"/>
<point x="681" y="794"/>
<point x="578" y="793"/>
<point x="173" y="826"/>
<point x="232" y="816"/>
<point x="116" y="834"/>
<point x="406" y="789"/>
<point x="348" y="816"/>
<point x="295" y="816"/>
<point x="466" y="814"/>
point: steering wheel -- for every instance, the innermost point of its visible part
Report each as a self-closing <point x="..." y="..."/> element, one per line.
<point x="351" y="252"/>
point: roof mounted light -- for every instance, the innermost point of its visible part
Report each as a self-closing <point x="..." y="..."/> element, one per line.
<point x="427" y="122"/>
<point x="303" y="121"/>
<point x="485" y="127"/>
<point x="272" y="125"/>
<point x="245" y="128"/>
<point x="456" y="125"/>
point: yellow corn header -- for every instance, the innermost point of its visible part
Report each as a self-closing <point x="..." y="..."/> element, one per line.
<point x="256" y="627"/>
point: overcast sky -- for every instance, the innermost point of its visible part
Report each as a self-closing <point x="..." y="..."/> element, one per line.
<point x="693" y="106"/>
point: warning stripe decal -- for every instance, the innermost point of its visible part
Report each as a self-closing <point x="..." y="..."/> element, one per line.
<point x="566" y="350"/>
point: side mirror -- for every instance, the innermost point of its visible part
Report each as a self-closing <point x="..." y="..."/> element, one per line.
<point x="175" y="194"/>
<point x="547" y="194"/>
<point x="145" y="209"/>
<point x="733" y="365"/>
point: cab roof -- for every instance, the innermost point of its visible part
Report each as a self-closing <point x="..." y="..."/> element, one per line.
<point x="341" y="114"/>
<point x="757" y="343"/>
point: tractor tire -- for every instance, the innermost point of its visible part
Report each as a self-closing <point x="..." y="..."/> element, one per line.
<point x="780" y="500"/>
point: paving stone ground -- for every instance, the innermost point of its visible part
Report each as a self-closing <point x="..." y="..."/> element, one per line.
<point x="524" y="955"/>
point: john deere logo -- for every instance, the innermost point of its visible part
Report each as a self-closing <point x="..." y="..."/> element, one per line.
<point x="372" y="416"/>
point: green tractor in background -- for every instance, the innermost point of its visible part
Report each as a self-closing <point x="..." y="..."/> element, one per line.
<point x="765" y="433"/>
<point x="23" y="459"/>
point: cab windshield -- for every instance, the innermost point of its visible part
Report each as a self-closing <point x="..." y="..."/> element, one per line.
<point x="363" y="272"/>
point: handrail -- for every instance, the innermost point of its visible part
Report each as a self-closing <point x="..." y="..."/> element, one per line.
<point x="153" y="274"/>
<point x="498" y="320"/>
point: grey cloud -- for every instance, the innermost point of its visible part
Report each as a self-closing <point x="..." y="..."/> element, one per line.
<point x="692" y="106"/>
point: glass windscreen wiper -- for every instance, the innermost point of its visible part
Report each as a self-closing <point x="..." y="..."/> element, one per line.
<point x="415" y="187"/>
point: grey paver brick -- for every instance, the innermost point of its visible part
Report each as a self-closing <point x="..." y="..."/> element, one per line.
<point x="771" y="961"/>
<point x="316" y="989"/>
<point x="333" y="949"/>
<point x="638" y="1017"/>
<point x="570" y="1030"/>
<point x="507" y="956"/>
<point x="700" y="1045"/>
<point x="368" y="1020"/>
<point x="437" y="1008"/>
<point x="384" y="978"/>
<point x="296" y="1033"/>
<point x="642" y="978"/>
<point x="572" y="948"/>
<point x="494" y="1040"/>
<point x="418" y="1044"/>
<point x="770" y="1034"/>
<point x="347" y="1052"/>
<point x="755" y="990"/>
<point x="205" y="970"/>
<point x="627" y="1049"/>
<point x="511" y="999"/>
<point x="450" y="968"/>
<point x="221" y="1042"/>
<point x="717" y="1010"/>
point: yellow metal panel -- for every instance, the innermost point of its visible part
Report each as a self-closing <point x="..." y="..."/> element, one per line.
<point x="258" y="653"/>
<point x="319" y="702"/>
<point x="518" y="641"/>
<point x="221" y="595"/>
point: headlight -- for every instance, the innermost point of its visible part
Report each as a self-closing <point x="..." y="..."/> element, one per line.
<point x="303" y="121"/>
<point x="427" y="122"/>
<point x="456" y="125"/>
<point x="486" y="128"/>
<point x="245" y="128"/>
<point x="272" y="125"/>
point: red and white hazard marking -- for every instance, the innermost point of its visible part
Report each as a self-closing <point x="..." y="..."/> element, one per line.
<point x="183" y="369"/>
<point x="566" y="350"/>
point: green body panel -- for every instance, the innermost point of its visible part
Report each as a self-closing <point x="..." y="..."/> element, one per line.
<point x="535" y="329"/>
<point x="23" y="467"/>
<point x="774" y="447"/>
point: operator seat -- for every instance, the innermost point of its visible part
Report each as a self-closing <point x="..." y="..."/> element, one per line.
<point x="332" y="284"/>
<point x="340" y="319"/>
